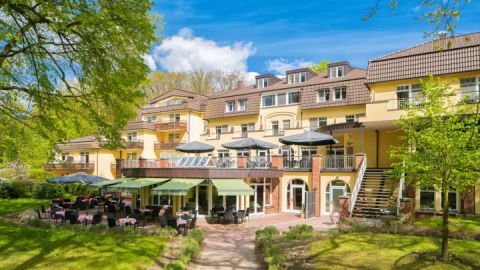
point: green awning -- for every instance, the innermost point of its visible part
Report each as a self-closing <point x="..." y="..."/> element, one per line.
<point x="110" y="182"/>
<point x="136" y="185"/>
<point x="232" y="187"/>
<point x="177" y="186"/>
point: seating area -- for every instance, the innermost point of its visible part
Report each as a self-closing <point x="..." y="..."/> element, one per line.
<point x="230" y="216"/>
<point x="114" y="212"/>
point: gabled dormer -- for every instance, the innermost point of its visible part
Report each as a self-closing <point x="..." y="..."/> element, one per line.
<point x="265" y="80"/>
<point x="300" y="75"/>
<point x="338" y="69"/>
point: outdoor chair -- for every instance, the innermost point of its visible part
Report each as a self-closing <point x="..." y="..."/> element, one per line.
<point x="247" y="214"/>
<point x="73" y="219"/>
<point x="128" y="210"/>
<point x="111" y="221"/>
<point x="240" y="216"/>
<point x="112" y="210"/>
<point x="214" y="216"/>
<point x="97" y="218"/>
<point x="137" y="211"/>
<point x="141" y="223"/>
<point x="229" y="217"/>
<point x="184" y="224"/>
<point x="163" y="221"/>
<point x="192" y="223"/>
<point x="44" y="211"/>
<point x="172" y="222"/>
<point x="40" y="216"/>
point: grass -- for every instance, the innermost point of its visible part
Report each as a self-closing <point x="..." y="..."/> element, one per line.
<point x="34" y="248"/>
<point x="456" y="224"/>
<point x="384" y="251"/>
<point x="9" y="206"/>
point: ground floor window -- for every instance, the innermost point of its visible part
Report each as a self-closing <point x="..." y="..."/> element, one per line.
<point x="452" y="200"/>
<point x="427" y="198"/>
<point x="160" y="200"/>
<point x="334" y="190"/>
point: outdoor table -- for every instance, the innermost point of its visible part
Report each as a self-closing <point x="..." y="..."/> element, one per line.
<point x="61" y="213"/>
<point x="85" y="219"/>
<point x="127" y="221"/>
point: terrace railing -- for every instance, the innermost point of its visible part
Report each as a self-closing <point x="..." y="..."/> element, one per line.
<point x="358" y="184"/>
<point x="259" y="162"/>
<point x="297" y="163"/>
<point x="339" y="162"/>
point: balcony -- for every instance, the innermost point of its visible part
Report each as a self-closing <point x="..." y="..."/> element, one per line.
<point x="404" y="103"/>
<point x="297" y="163"/>
<point x="134" y="144"/>
<point x="338" y="163"/>
<point x="240" y="135"/>
<point x="167" y="146"/>
<point x="171" y="126"/>
<point x="274" y="132"/>
<point x="70" y="166"/>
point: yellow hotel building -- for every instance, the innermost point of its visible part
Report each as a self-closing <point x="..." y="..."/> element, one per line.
<point x="357" y="107"/>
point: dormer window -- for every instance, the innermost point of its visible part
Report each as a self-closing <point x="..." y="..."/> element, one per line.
<point x="297" y="77"/>
<point x="262" y="83"/>
<point x="151" y="119"/>
<point x="242" y="105"/>
<point x="338" y="71"/>
<point x="230" y="106"/>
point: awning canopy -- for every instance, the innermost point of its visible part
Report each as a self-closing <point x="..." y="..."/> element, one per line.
<point x="195" y="147"/>
<point x="81" y="177"/>
<point x="136" y="185"/>
<point x="309" y="138"/>
<point x="249" y="143"/>
<point x="232" y="187"/>
<point x="110" y="182"/>
<point x="177" y="186"/>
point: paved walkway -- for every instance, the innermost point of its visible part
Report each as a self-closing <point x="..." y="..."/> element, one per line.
<point x="233" y="246"/>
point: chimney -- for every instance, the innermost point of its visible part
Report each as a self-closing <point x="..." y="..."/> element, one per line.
<point x="239" y="84"/>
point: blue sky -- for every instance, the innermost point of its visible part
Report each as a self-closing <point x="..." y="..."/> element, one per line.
<point x="296" y="32"/>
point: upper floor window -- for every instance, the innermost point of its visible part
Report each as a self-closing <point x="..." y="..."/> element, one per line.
<point x="84" y="157"/>
<point x="230" y="106"/>
<point x="341" y="93"/>
<point x="407" y="94"/>
<point x="297" y="77"/>
<point x="242" y="105"/>
<point x="293" y="97"/>
<point x="469" y="87"/>
<point x="65" y="156"/>
<point x="175" y="117"/>
<point x="323" y="95"/>
<point x="223" y="153"/>
<point x="286" y="124"/>
<point x="173" y="137"/>
<point x="132" y="137"/>
<point x="337" y="71"/>
<point x="350" y="118"/>
<point x="318" y="122"/>
<point x="221" y="129"/>
<point x="131" y="156"/>
<point x="175" y="102"/>
<point x="151" y="119"/>
<point x="247" y="127"/>
<point x="268" y="101"/>
<point x="262" y="83"/>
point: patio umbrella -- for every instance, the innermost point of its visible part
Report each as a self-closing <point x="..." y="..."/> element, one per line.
<point x="249" y="143"/>
<point x="195" y="147"/>
<point x="81" y="177"/>
<point x="309" y="138"/>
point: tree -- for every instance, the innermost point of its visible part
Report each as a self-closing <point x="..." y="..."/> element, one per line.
<point x="320" y="67"/>
<point x="441" y="143"/>
<point x="59" y="58"/>
<point x="442" y="15"/>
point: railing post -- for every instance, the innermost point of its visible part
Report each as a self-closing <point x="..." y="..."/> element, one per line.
<point x="277" y="162"/>
<point x="241" y="162"/>
<point x="141" y="162"/>
<point x="358" y="160"/>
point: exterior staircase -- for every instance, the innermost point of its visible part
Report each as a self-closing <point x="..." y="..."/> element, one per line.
<point x="377" y="196"/>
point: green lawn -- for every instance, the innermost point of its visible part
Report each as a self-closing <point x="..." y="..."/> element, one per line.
<point x="9" y="206"/>
<point x="382" y="251"/>
<point x="456" y="224"/>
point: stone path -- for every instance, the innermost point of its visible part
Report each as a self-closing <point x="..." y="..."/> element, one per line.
<point x="233" y="246"/>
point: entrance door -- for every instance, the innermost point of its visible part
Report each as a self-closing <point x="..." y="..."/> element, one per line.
<point x="296" y="195"/>
<point x="202" y="199"/>
<point x="257" y="200"/>
<point x="298" y="198"/>
<point x="336" y="192"/>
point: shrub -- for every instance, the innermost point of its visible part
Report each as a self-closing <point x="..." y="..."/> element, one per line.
<point x="23" y="188"/>
<point x="265" y="235"/>
<point x="39" y="175"/>
<point x="47" y="191"/>
<point x="298" y="232"/>
<point x="196" y="235"/>
<point x="7" y="191"/>
<point x="176" y="265"/>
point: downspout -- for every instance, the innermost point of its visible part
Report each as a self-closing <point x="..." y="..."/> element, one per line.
<point x="377" y="150"/>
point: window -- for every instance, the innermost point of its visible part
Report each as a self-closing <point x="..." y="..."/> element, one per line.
<point x="131" y="156"/>
<point x="308" y="151"/>
<point x="175" y="102"/>
<point x="132" y="137"/>
<point x="65" y="156"/>
<point x="317" y="122"/>
<point x="282" y="99"/>
<point x="340" y="93"/>
<point x="223" y="153"/>
<point x="173" y="137"/>
<point x="242" y="105"/>
<point x="469" y="87"/>
<point x="248" y="127"/>
<point x="286" y="124"/>
<point x="175" y="117"/>
<point x="293" y="97"/>
<point x="337" y="71"/>
<point x="151" y="119"/>
<point x="84" y="157"/>
<point x="409" y="94"/>
<point x="205" y="126"/>
<point x="323" y="95"/>
<point x="452" y="200"/>
<point x="350" y="118"/>
<point x="230" y="106"/>
<point x="297" y="77"/>
<point x="221" y="129"/>
<point x="268" y="101"/>
<point x="243" y="153"/>
<point x="427" y="198"/>
<point x="262" y="83"/>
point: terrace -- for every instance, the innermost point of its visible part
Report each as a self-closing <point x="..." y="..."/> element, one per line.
<point x="69" y="166"/>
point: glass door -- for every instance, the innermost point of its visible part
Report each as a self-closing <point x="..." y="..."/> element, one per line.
<point x="202" y="199"/>
<point x="258" y="199"/>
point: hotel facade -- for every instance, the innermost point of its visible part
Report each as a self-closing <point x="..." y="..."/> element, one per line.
<point x="358" y="107"/>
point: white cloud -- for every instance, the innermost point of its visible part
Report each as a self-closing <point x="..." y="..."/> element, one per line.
<point x="279" y="65"/>
<point x="185" y="52"/>
<point x="150" y="62"/>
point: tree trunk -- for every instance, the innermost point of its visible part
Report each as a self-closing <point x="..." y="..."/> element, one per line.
<point x="446" y="211"/>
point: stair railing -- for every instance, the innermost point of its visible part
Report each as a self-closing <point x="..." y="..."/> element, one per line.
<point x="358" y="184"/>
<point x="400" y="189"/>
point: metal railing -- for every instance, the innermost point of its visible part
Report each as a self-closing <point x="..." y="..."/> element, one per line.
<point x="297" y="163"/>
<point x="69" y="166"/>
<point x="167" y="146"/>
<point x="259" y="162"/>
<point x="358" y="184"/>
<point x="175" y="125"/>
<point x="469" y="97"/>
<point x="338" y="163"/>
<point x="134" y="144"/>
<point x="274" y="132"/>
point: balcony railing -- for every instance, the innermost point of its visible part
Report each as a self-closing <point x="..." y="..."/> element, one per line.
<point x="167" y="146"/>
<point x="169" y="126"/>
<point x="274" y="132"/>
<point x="338" y="163"/>
<point x="404" y="103"/>
<point x="73" y="166"/>
<point x="259" y="162"/>
<point x="469" y="97"/>
<point x="297" y="163"/>
<point x="240" y="135"/>
<point x="134" y="144"/>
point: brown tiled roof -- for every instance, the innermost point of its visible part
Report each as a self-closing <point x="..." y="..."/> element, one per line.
<point x="175" y="93"/>
<point x="87" y="142"/>
<point x="434" y="57"/>
<point x="195" y="102"/>
<point x="139" y="124"/>
<point x="215" y="106"/>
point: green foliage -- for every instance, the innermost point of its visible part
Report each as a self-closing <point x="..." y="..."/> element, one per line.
<point x="40" y="175"/>
<point x="265" y="236"/>
<point x="76" y="189"/>
<point x="47" y="191"/>
<point x="176" y="265"/>
<point x="23" y="189"/>
<point x="189" y="250"/>
<point x="320" y="67"/>
<point x="7" y="191"/>
<point x="298" y="232"/>
<point x="196" y="235"/>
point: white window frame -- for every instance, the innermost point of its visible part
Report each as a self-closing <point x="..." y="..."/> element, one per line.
<point x="84" y="157"/>
<point x="65" y="156"/>
<point x="241" y="107"/>
<point x="223" y="153"/>
<point x="342" y="89"/>
<point x="151" y="118"/>
<point x="174" y="117"/>
<point x="174" y="137"/>
<point x="350" y="117"/>
<point x="132" y="137"/>
<point x="473" y="94"/>
<point x="336" y="72"/>
<point x="456" y="200"/>
<point x="427" y="189"/>
<point x="299" y="77"/>
<point x="289" y="124"/>
<point x="290" y="95"/>
<point x="323" y="95"/>
<point x="274" y="100"/>
<point x="262" y="83"/>
<point x="317" y="121"/>
<point x="230" y="106"/>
